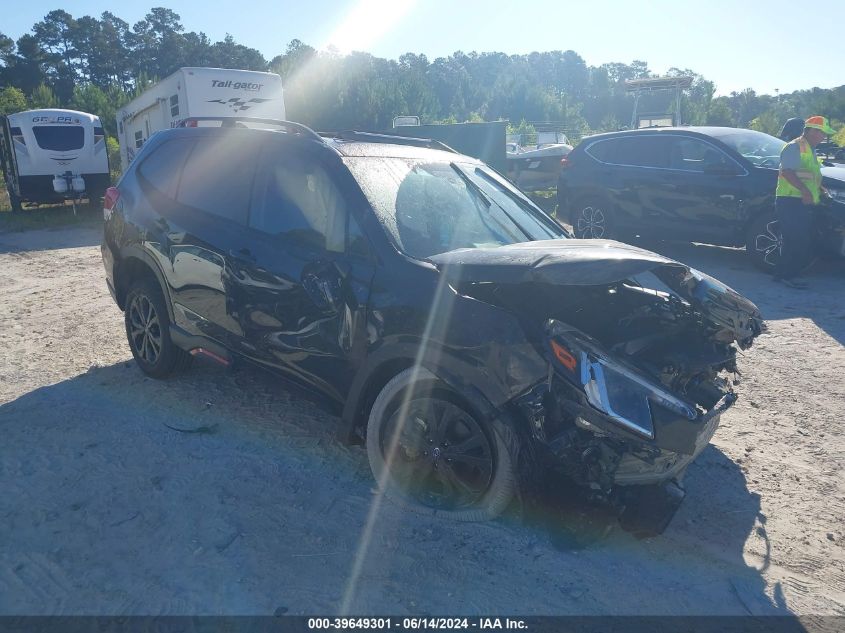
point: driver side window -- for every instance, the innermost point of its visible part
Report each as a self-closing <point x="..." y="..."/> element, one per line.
<point x="689" y="154"/>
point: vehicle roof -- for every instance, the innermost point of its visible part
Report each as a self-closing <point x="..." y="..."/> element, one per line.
<point x="703" y="130"/>
<point x="345" y="148"/>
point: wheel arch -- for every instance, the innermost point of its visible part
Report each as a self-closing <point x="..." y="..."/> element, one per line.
<point x="753" y="217"/>
<point x="382" y="367"/>
<point x="135" y="264"/>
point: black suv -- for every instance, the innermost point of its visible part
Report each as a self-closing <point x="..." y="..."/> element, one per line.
<point x="701" y="184"/>
<point x="462" y="336"/>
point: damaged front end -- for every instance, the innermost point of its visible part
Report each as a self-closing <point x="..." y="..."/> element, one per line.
<point x="641" y="351"/>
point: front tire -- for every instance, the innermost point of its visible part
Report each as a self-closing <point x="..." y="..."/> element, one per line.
<point x="148" y="332"/>
<point x="429" y="452"/>
<point x="764" y="242"/>
<point x="591" y="219"/>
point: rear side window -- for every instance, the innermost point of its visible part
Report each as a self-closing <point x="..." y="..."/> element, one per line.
<point x="218" y="177"/>
<point x="644" y="151"/>
<point x="162" y="168"/>
<point x="295" y="197"/>
<point x="59" y="138"/>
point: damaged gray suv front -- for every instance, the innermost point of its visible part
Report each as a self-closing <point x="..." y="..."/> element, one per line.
<point x="501" y="349"/>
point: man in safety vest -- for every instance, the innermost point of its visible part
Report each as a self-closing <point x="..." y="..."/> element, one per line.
<point x="799" y="189"/>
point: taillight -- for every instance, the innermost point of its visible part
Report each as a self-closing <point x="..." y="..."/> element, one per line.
<point x="190" y="123"/>
<point x="565" y="162"/>
<point x="110" y="200"/>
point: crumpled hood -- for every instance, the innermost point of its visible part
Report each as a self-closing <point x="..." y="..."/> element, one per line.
<point x="571" y="262"/>
<point x="565" y="262"/>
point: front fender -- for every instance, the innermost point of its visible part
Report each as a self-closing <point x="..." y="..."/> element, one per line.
<point x="483" y="355"/>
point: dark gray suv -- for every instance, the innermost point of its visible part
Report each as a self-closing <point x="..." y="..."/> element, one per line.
<point x="458" y="331"/>
<point x="699" y="184"/>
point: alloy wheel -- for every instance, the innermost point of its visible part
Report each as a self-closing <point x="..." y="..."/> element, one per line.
<point x="591" y="223"/>
<point x="439" y="454"/>
<point x="769" y="243"/>
<point x="145" y="329"/>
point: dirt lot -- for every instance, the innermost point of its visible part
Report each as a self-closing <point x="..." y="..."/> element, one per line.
<point x="107" y="508"/>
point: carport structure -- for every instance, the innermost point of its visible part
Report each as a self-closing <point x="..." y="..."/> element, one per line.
<point x="654" y="85"/>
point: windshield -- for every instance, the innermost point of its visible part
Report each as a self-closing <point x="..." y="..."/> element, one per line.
<point x="433" y="207"/>
<point x="760" y="149"/>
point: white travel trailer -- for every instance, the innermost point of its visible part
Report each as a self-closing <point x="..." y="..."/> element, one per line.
<point x="197" y="92"/>
<point x="52" y="155"/>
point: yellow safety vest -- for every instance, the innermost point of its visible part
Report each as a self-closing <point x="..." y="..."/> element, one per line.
<point x="810" y="173"/>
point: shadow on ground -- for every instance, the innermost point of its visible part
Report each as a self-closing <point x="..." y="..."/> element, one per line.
<point x="222" y="492"/>
<point x="51" y="228"/>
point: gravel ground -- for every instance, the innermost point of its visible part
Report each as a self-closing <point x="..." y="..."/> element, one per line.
<point x="109" y="506"/>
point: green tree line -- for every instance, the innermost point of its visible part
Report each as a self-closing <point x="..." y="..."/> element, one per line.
<point x="96" y="64"/>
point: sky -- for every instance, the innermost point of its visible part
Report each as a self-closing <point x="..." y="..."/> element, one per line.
<point x="766" y="45"/>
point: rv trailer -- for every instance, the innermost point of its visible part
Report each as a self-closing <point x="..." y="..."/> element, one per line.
<point x="197" y="92"/>
<point x="52" y="155"/>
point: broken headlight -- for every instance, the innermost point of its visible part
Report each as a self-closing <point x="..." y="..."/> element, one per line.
<point x="611" y="385"/>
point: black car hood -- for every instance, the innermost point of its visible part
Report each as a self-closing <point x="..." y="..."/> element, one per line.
<point x="571" y="262"/>
<point x="565" y="262"/>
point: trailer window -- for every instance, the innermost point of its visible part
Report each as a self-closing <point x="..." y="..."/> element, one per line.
<point x="139" y="139"/>
<point x="59" y="138"/>
<point x="174" y="105"/>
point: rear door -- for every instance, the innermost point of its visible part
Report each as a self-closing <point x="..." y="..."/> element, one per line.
<point x="633" y="168"/>
<point x="207" y="225"/>
<point x="300" y="281"/>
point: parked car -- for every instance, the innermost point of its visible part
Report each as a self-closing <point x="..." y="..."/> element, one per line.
<point x="461" y="334"/>
<point x="704" y="184"/>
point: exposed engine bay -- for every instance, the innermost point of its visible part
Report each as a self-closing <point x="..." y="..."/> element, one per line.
<point x="642" y="355"/>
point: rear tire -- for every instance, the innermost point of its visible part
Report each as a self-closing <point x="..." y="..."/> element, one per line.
<point x="148" y="332"/>
<point x="441" y="459"/>
<point x="592" y="219"/>
<point x="764" y="241"/>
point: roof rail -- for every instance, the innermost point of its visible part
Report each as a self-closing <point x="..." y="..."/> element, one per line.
<point x="373" y="137"/>
<point x="230" y="121"/>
